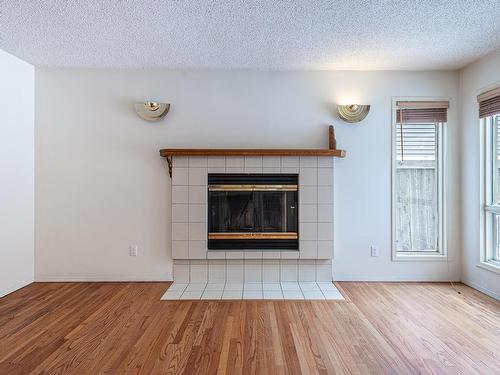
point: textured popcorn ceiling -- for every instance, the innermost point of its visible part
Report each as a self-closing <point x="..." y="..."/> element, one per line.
<point x="368" y="35"/>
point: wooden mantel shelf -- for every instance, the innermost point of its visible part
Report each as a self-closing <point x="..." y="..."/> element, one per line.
<point x="332" y="151"/>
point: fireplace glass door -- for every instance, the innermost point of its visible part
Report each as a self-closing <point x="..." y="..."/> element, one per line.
<point x="253" y="211"/>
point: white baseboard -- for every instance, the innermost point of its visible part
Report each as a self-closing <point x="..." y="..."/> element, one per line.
<point x="382" y="279"/>
<point x="100" y="278"/>
<point x="482" y="290"/>
<point x="15" y="287"/>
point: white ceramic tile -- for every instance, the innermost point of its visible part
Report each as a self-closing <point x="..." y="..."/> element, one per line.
<point x="309" y="286"/>
<point x="292" y="294"/>
<point x="294" y="254"/>
<point x="198" y="231"/>
<point x="289" y="270"/>
<point x="253" y="169"/>
<point x="271" y="271"/>
<point x="194" y="287"/>
<point x="292" y="170"/>
<point x="179" y="194"/>
<point x="232" y="294"/>
<point x="215" y="287"/>
<point x="180" y="176"/>
<point x="216" y="161"/>
<point x="192" y="295"/>
<point x="325" y="194"/>
<point x="325" y="231"/>
<point x="197" y="213"/>
<point x="212" y="294"/>
<point x="325" y="162"/>
<point x="271" y="162"/>
<point x="289" y="161"/>
<point x="323" y="270"/>
<point x="308" y="195"/>
<point x="308" y="231"/>
<point x="234" y="271"/>
<point x="253" y="161"/>
<point x="171" y="296"/>
<point x="269" y="170"/>
<point x="181" y="161"/>
<point x="308" y="213"/>
<point x="252" y="286"/>
<point x="252" y="294"/>
<point x="325" y="176"/>
<point x="197" y="195"/>
<point x="271" y="254"/>
<point x="308" y="162"/>
<point x="290" y="286"/>
<point x="235" y="169"/>
<point x="308" y="249"/>
<point x="235" y="254"/>
<point x="198" y="271"/>
<point x="180" y="250"/>
<point x="253" y="254"/>
<point x="180" y="231"/>
<point x="313" y="294"/>
<point x="307" y="270"/>
<point x="333" y="295"/>
<point x="325" y="249"/>
<point x="308" y="176"/>
<point x="272" y="294"/>
<point x="235" y="161"/>
<point x="198" y="176"/>
<point x="253" y="270"/>
<point x="197" y="161"/>
<point x="325" y="213"/>
<point x="179" y="213"/>
<point x="197" y="250"/>
<point x="177" y="287"/>
<point x="217" y="271"/>
<point x="271" y="287"/>
<point x="233" y="286"/>
<point x="181" y="271"/>
<point x="327" y="287"/>
<point x="216" y="170"/>
<point x="212" y="254"/>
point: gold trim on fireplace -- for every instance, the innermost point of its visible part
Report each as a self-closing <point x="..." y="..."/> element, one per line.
<point x="252" y="187"/>
<point x="253" y="236"/>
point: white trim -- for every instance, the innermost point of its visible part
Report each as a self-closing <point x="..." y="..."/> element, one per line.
<point x="15" y="287"/>
<point x="486" y="291"/>
<point x="100" y="278"/>
<point x="442" y="255"/>
<point x="490" y="266"/>
<point x="396" y="279"/>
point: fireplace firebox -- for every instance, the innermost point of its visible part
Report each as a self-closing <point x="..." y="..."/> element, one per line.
<point x="253" y="211"/>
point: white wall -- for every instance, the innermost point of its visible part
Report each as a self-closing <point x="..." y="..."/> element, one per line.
<point x="17" y="94"/>
<point x="102" y="186"/>
<point x="474" y="79"/>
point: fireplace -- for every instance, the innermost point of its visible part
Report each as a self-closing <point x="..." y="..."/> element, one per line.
<point x="253" y="211"/>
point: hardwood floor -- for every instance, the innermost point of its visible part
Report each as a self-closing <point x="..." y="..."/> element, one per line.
<point x="121" y="328"/>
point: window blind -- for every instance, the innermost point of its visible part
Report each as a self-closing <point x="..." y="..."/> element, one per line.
<point x="421" y="112"/>
<point x="489" y="103"/>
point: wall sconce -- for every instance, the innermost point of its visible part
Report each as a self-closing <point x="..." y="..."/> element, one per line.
<point x="353" y="112"/>
<point x="151" y="111"/>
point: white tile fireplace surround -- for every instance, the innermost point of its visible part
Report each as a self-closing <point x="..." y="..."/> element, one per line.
<point x="194" y="263"/>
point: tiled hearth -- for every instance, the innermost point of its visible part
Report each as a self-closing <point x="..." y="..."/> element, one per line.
<point x="194" y="263"/>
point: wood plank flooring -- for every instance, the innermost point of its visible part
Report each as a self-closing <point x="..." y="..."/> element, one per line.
<point x="123" y="328"/>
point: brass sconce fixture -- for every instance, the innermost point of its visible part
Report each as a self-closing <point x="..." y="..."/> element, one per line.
<point x="353" y="112"/>
<point x="151" y="111"/>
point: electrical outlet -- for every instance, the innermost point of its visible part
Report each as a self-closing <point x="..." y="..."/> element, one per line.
<point x="133" y="250"/>
<point x="375" y="250"/>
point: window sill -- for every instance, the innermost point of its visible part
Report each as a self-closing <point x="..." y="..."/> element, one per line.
<point x="490" y="266"/>
<point x="418" y="257"/>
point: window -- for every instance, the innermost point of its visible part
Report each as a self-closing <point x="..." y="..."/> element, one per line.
<point x="417" y="183"/>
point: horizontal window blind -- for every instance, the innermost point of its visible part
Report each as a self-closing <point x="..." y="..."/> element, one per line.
<point x="416" y="142"/>
<point x="489" y="103"/>
<point x="421" y="112"/>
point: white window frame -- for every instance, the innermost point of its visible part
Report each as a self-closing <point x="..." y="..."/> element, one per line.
<point x="442" y="253"/>
<point x="489" y="179"/>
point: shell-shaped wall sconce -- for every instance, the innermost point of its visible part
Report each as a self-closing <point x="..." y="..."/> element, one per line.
<point x="353" y="112"/>
<point x="151" y="111"/>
